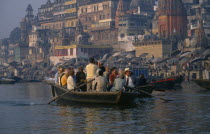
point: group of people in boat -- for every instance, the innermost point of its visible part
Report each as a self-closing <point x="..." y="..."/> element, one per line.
<point x="96" y="77"/>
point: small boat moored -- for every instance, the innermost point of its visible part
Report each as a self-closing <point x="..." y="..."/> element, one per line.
<point x="165" y="84"/>
<point x="7" y="81"/>
<point x="203" y="83"/>
<point x="118" y="97"/>
<point x="49" y="80"/>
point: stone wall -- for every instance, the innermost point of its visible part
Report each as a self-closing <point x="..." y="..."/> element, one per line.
<point x="152" y="50"/>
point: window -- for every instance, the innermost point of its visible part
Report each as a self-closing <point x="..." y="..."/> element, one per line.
<point x="132" y="24"/>
<point x="122" y="35"/>
<point x="71" y="51"/>
<point x="131" y="34"/>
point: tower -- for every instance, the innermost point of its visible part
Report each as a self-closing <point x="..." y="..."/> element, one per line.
<point x="121" y="11"/>
<point x="26" y="24"/>
<point x="79" y="28"/>
<point x="29" y="11"/>
<point x="172" y="19"/>
<point x="202" y="40"/>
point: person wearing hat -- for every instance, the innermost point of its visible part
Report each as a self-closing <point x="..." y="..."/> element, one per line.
<point x="130" y="79"/>
<point x="60" y="71"/>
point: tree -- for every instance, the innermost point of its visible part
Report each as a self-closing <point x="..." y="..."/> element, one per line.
<point x="15" y="35"/>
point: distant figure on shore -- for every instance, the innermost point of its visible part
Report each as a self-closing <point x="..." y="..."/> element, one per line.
<point x="80" y="78"/>
<point x="70" y="81"/>
<point x="91" y="69"/>
<point x="100" y="82"/>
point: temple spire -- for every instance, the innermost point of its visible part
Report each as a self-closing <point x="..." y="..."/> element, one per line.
<point x="121" y="7"/>
<point x="29" y="10"/>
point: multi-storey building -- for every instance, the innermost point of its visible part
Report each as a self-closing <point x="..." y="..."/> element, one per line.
<point x="38" y="44"/>
<point x="98" y="19"/>
<point x="70" y="7"/>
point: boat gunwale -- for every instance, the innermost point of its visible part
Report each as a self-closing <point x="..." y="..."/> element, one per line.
<point x="95" y="92"/>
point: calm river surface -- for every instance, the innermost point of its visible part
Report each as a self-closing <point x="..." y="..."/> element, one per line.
<point x="24" y="110"/>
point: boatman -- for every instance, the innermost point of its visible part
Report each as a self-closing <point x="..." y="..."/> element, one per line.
<point x="91" y="69"/>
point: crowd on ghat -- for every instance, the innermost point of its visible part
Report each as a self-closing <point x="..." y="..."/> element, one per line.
<point x="97" y="78"/>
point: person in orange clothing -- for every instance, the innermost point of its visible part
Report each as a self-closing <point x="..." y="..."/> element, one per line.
<point x="112" y="77"/>
<point x="64" y="77"/>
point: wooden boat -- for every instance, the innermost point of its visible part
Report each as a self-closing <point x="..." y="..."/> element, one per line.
<point x="49" y="80"/>
<point x="203" y="83"/>
<point x="7" y="81"/>
<point x="178" y="81"/>
<point x="165" y="84"/>
<point x="141" y="89"/>
<point x="118" y="97"/>
<point x="148" y="89"/>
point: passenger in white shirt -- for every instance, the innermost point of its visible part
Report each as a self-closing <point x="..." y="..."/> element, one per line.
<point x="100" y="82"/>
<point x="129" y="78"/>
<point x="70" y="81"/>
<point x="91" y="69"/>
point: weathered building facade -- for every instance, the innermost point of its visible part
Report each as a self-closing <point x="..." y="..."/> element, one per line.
<point x="153" y="48"/>
<point x="172" y="19"/>
<point x="98" y="19"/>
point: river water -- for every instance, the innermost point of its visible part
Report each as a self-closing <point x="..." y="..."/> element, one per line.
<point x="24" y="110"/>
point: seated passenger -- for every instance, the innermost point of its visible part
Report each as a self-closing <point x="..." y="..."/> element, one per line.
<point x="142" y="81"/>
<point x="130" y="78"/>
<point x="112" y="77"/>
<point x="60" y="71"/>
<point x="80" y="78"/>
<point x="119" y="83"/>
<point x="100" y="82"/>
<point x="64" y="77"/>
<point x="70" y="81"/>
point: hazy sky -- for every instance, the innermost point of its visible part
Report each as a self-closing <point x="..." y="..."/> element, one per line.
<point x="11" y="13"/>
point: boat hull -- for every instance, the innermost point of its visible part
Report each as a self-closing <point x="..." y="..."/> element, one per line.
<point x="203" y="83"/>
<point x="163" y="85"/>
<point x="7" y="81"/>
<point x="148" y="89"/>
<point x="96" y="97"/>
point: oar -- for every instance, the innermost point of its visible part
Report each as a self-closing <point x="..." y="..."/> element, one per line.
<point x="70" y="91"/>
<point x="148" y="94"/>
